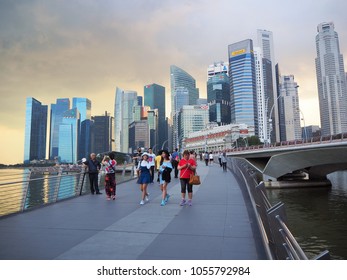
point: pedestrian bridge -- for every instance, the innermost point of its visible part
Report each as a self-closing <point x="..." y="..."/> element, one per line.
<point x="221" y="224"/>
<point x="290" y="161"/>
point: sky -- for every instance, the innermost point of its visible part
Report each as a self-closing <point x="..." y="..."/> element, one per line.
<point x="83" y="48"/>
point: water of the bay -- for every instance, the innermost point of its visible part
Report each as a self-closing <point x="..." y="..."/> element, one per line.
<point x="317" y="216"/>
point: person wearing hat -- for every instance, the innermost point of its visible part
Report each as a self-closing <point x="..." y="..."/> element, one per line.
<point x="144" y="168"/>
<point x="93" y="166"/>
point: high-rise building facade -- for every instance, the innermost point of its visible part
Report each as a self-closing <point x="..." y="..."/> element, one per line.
<point x="265" y="42"/>
<point x="68" y="136"/>
<point x="180" y="81"/>
<point x="35" y="130"/>
<point x="217" y="68"/>
<point x="103" y="140"/>
<point x="57" y="111"/>
<point x="154" y="131"/>
<point x="138" y="135"/>
<point x="331" y="81"/>
<point x="123" y="116"/>
<point x="192" y="118"/>
<point x="218" y="98"/>
<point x="154" y="96"/>
<point x="180" y="78"/>
<point x="289" y="109"/>
<point x="243" y="94"/>
<point x="262" y="117"/>
<point x="84" y="106"/>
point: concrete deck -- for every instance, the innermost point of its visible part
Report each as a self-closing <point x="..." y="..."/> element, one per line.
<point x="219" y="225"/>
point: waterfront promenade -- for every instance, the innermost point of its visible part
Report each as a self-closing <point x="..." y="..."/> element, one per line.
<point x="220" y="225"/>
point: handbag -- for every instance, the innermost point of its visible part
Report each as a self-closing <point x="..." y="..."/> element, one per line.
<point x="194" y="179"/>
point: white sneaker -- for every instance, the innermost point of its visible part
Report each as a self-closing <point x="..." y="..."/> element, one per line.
<point x="147" y="198"/>
<point x="142" y="202"/>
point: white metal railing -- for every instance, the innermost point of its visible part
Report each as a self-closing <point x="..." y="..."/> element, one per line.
<point x="20" y="192"/>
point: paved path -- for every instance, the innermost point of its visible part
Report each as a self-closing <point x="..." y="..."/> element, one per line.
<point x="219" y="225"/>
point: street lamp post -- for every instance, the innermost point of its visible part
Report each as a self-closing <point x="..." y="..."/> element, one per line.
<point x="270" y="119"/>
<point x="303" y="118"/>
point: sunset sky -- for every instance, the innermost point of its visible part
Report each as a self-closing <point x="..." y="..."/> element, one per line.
<point x="84" y="48"/>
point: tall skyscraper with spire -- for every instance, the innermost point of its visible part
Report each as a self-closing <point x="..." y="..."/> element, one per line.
<point x="35" y="130"/>
<point x="331" y="81"/>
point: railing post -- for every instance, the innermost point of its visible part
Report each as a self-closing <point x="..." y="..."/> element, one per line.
<point x="81" y="182"/>
<point x="25" y="192"/>
<point x="57" y="185"/>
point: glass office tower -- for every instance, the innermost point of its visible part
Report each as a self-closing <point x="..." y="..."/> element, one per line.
<point x="57" y="111"/>
<point x="84" y="106"/>
<point x="155" y="98"/>
<point x="35" y="130"/>
<point x="180" y="79"/>
<point x="331" y="81"/>
<point x="218" y="98"/>
<point x="243" y="94"/>
<point x="68" y="136"/>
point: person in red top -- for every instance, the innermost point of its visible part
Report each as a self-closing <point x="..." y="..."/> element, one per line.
<point x="187" y="167"/>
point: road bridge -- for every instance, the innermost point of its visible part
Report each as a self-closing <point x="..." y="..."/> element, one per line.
<point x="308" y="161"/>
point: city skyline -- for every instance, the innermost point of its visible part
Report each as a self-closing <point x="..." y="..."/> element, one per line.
<point x="73" y="49"/>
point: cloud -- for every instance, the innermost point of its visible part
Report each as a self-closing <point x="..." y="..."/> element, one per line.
<point x="55" y="49"/>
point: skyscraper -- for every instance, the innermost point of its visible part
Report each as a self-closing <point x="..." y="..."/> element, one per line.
<point x="103" y="140"/>
<point x="154" y="132"/>
<point x="289" y="109"/>
<point x="265" y="42"/>
<point x="180" y="78"/>
<point x="35" y="130"/>
<point x="57" y="111"/>
<point x="154" y="96"/>
<point x="138" y="135"/>
<point x="243" y="95"/>
<point x="192" y="118"/>
<point x="331" y="80"/>
<point x="123" y="116"/>
<point x="84" y="106"/>
<point x="218" y="93"/>
<point x="180" y="81"/>
<point x="68" y="136"/>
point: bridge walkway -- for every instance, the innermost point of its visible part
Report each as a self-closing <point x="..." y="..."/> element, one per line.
<point x="220" y="225"/>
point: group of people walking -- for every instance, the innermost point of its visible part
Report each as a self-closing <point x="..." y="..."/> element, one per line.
<point x="146" y="164"/>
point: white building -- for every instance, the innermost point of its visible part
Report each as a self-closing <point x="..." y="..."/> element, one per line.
<point x="217" y="138"/>
<point x="262" y="105"/>
<point x="123" y="116"/>
<point x="331" y="80"/>
<point x="265" y="42"/>
<point x="289" y="109"/>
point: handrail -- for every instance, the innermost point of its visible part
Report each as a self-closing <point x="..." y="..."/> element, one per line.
<point x="341" y="137"/>
<point x="20" y="195"/>
<point x="277" y="239"/>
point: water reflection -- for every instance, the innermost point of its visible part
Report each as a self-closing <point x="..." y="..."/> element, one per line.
<point x="317" y="216"/>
